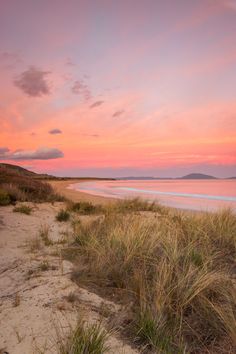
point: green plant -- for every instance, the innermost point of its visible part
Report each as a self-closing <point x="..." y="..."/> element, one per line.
<point x="85" y="339"/>
<point x="24" y="209"/>
<point x="63" y="215"/>
<point x="4" y="198"/>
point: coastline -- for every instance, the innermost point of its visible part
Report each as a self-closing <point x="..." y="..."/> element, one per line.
<point x="61" y="187"/>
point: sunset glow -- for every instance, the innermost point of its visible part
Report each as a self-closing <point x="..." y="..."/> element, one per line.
<point x="119" y="88"/>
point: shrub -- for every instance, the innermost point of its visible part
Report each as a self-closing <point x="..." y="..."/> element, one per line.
<point x="14" y="192"/>
<point x="63" y="215"/>
<point x="24" y="209"/>
<point x="4" y="198"/>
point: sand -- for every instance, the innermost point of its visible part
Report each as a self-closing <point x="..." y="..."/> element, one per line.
<point x="62" y="188"/>
<point x="34" y="301"/>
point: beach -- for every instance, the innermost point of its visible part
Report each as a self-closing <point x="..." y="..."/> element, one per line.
<point x="62" y="187"/>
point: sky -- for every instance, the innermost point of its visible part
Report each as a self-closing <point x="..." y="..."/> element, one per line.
<point x="113" y="88"/>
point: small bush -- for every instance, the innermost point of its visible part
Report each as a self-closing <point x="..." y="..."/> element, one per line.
<point x="24" y="209"/>
<point x="4" y="198"/>
<point x="63" y="215"/>
<point x="89" y="339"/>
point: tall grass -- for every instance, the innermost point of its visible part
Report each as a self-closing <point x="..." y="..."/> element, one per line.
<point x="179" y="271"/>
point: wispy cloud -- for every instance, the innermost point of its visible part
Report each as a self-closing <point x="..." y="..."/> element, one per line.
<point x="118" y="113"/>
<point x="39" y="154"/>
<point x="9" y="59"/>
<point x="33" y="82"/>
<point x="96" y="104"/>
<point x="3" y="151"/>
<point x="80" y="88"/>
<point x="92" y="135"/>
<point x="55" y="131"/>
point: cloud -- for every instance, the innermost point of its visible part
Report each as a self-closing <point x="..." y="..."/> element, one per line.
<point x="3" y="150"/>
<point x="39" y="154"/>
<point x="118" y="113"/>
<point x="92" y="135"/>
<point x="33" y="82"/>
<point x="55" y="131"/>
<point x="9" y="59"/>
<point x="80" y="88"/>
<point x="96" y="104"/>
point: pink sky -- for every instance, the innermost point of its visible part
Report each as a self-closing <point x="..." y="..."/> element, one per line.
<point x="117" y="88"/>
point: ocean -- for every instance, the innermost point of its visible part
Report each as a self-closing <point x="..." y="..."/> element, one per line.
<point x="206" y="195"/>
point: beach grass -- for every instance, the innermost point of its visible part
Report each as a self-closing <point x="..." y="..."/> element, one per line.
<point x="24" y="209"/>
<point x="63" y="215"/>
<point x="84" y="339"/>
<point x="177" y="269"/>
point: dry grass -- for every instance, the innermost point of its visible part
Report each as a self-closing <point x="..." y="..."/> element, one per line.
<point x="34" y="244"/>
<point x="84" y="208"/>
<point x="44" y="235"/>
<point x="177" y="269"/>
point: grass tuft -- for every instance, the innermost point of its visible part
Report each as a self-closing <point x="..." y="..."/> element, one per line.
<point x="44" y="235"/>
<point x="24" y="209"/>
<point x="63" y="215"/>
<point x="84" y="208"/>
<point x="89" y="339"/>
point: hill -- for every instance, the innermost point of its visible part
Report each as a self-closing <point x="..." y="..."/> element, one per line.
<point x="197" y="176"/>
<point x="9" y="169"/>
<point x="17" y="183"/>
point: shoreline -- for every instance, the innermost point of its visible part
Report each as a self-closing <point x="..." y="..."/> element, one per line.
<point x="61" y="187"/>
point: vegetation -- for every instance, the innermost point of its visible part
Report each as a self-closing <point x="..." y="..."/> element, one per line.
<point x="85" y="339"/>
<point x="135" y="205"/>
<point x="44" y="235"/>
<point x="84" y="208"/>
<point x="24" y="209"/>
<point x="177" y="270"/>
<point x="22" y="185"/>
<point x="4" y="197"/>
<point x="63" y="215"/>
<point x="44" y="266"/>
